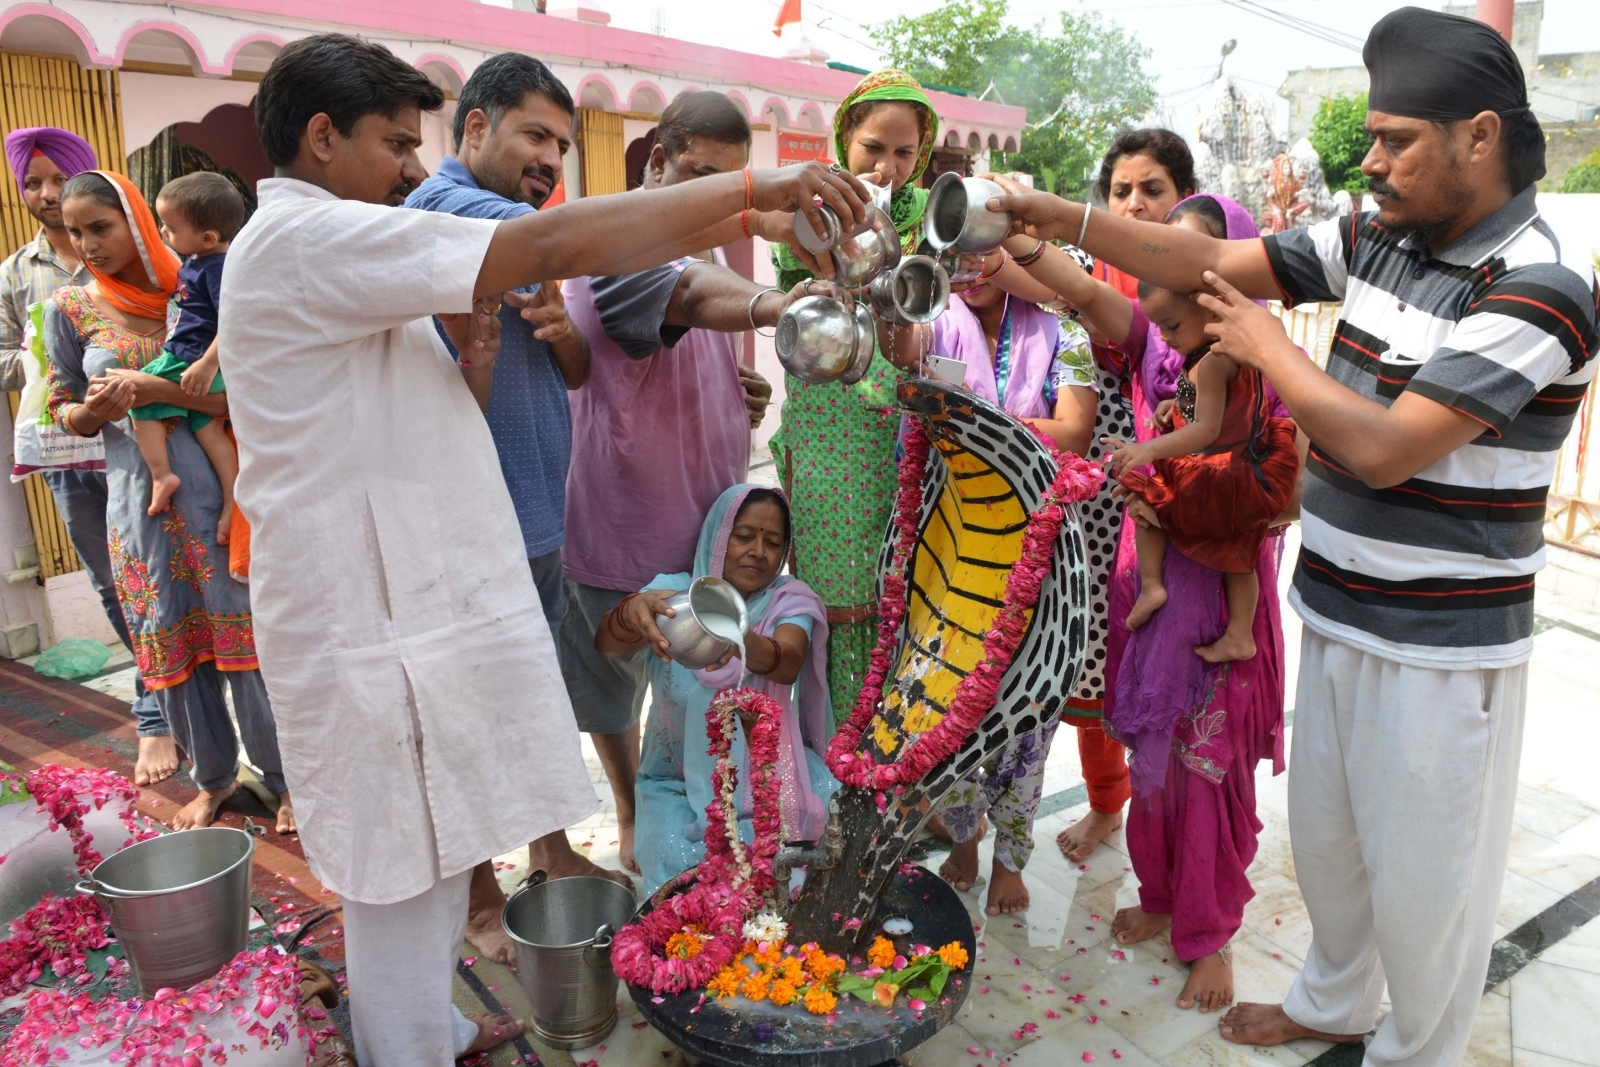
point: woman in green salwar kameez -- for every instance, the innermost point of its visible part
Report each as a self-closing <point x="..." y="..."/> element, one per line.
<point x="835" y="450"/>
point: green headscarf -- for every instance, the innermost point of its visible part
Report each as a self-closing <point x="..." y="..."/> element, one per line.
<point x="907" y="204"/>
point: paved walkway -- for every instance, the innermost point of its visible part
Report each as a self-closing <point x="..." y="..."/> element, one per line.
<point x="1543" y="1009"/>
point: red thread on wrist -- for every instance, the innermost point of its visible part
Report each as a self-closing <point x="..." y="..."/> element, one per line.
<point x="744" y="222"/>
<point x="749" y="192"/>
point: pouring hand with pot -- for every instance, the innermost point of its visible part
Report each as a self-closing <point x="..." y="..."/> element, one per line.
<point x="676" y="625"/>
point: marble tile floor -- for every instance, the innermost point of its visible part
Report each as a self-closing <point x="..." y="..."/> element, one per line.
<point x="1546" y="1014"/>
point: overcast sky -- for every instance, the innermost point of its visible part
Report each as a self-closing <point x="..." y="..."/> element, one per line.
<point x="1184" y="36"/>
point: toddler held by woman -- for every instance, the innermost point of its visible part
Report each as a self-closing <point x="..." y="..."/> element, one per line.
<point x="200" y="214"/>
<point x="1216" y="481"/>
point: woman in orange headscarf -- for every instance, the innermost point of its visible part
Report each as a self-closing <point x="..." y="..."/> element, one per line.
<point x="190" y="622"/>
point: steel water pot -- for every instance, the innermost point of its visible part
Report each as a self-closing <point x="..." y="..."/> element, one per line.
<point x="958" y="216"/>
<point x="914" y="292"/>
<point x="710" y="616"/>
<point x="817" y="339"/>
<point x="866" y="345"/>
<point x="562" y="929"/>
<point x="179" y="903"/>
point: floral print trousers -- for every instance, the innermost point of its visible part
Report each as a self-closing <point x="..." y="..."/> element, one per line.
<point x="1006" y="787"/>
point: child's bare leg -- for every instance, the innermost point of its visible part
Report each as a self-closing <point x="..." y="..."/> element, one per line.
<point x="225" y="461"/>
<point x="151" y="434"/>
<point x="1237" y="642"/>
<point x="1152" y="545"/>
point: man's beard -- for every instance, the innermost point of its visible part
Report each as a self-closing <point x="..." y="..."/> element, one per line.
<point x="49" y="222"/>
<point x="1426" y="230"/>
<point x="510" y="185"/>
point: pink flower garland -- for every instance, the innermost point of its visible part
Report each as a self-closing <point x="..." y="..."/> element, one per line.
<point x="260" y="990"/>
<point x="1076" y="479"/>
<point x="730" y="881"/>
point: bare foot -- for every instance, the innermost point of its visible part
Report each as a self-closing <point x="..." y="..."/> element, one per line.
<point x="961" y="869"/>
<point x="1133" y="925"/>
<point x="1081" y="838"/>
<point x="1007" y="892"/>
<point x="158" y="760"/>
<point x="625" y="849"/>
<point x="487" y="934"/>
<point x="202" y="810"/>
<point x="1210" y="984"/>
<point x="1266" y="1025"/>
<point x="485" y="903"/>
<point x="286" y="823"/>
<point x="1231" y="647"/>
<point x="493" y="1031"/>
<point x="1149" y="602"/>
<point x="553" y="854"/>
<point x="161" y="490"/>
<point x="225" y="524"/>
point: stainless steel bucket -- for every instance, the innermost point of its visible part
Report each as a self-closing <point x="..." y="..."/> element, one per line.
<point x="562" y="929"/>
<point x="179" y="903"/>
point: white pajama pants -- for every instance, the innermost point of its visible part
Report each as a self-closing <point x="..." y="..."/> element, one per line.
<point x="1402" y="782"/>
<point x="400" y="960"/>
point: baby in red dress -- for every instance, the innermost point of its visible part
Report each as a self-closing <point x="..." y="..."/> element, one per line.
<point x="1216" y="480"/>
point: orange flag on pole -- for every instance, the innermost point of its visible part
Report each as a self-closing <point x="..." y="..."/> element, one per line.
<point x="789" y="12"/>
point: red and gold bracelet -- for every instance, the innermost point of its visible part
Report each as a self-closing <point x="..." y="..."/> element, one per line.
<point x="998" y="267"/>
<point x="749" y="192"/>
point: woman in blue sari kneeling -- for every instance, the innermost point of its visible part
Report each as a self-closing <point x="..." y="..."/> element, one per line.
<point x="744" y="540"/>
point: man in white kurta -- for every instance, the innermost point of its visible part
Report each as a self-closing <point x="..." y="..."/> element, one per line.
<point x="411" y="669"/>
<point x="420" y="709"/>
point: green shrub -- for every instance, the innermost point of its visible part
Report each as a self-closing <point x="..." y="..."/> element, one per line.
<point x="1339" y="135"/>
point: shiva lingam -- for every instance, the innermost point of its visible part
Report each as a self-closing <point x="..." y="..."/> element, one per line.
<point x="986" y="508"/>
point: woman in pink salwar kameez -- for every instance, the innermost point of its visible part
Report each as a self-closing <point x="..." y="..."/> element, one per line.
<point x="1195" y="731"/>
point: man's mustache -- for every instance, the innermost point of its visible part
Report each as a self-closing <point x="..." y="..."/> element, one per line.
<point x="1378" y="185"/>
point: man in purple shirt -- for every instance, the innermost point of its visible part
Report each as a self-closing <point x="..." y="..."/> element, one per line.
<point x="659" y="431"/>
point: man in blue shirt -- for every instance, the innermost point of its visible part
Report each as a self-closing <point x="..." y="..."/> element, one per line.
<point x="513" y="124"/>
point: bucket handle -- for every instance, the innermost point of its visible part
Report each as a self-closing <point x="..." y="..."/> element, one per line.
<point x="598" y="952"/>
<point x="535" y="878"/>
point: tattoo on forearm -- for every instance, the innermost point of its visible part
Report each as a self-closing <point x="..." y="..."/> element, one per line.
<point x="1155" y="249"/>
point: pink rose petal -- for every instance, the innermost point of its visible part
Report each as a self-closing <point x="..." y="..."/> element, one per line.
<point x="1088" y="1057"/>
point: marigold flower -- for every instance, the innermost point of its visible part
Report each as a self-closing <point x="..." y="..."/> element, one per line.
<point x="782" y="992"/>
<point x="954" y="955"/>
<point x="823" y="967"/>
<point x="790" y="970"/>
<point x="881" y="954"/>
<point x="685" y="945"/>
<point x="769" y="956"/>
<point x="820" y="1000"/>
<point x="757" y="986"/>
<point x="725" y="983"/>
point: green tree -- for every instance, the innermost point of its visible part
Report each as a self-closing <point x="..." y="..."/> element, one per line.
<point x="1080" y="83"/>
<point x="1339" y="135"/>
<point x="1584" y="175"/>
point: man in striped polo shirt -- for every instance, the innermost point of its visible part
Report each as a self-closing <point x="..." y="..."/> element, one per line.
<point x="1463" y="353"/>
